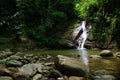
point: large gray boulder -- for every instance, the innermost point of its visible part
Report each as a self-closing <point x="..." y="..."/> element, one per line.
<point x="70" y="66"/>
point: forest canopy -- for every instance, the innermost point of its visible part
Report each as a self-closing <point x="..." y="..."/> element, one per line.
<point x="45" y="21"/>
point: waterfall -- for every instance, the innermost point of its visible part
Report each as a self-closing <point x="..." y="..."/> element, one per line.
<point x="82" y="38"/>
<point x="81" y="41"/>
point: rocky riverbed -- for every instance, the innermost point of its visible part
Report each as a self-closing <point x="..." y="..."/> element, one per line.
<point x="19" y="66"/>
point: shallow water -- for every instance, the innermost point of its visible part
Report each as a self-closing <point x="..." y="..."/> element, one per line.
<point x="61" y="52"/>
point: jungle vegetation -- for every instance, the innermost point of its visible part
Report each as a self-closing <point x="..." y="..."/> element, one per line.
<point x="42" y="23"/>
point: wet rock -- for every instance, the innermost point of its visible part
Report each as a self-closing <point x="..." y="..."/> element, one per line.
<point x="21" y="76"/>
<point x="4" y="54"/>
<point x="2" y="62"/>
<point x="95" y="56"/>
<point x="40" y="70"/>
<point x="63" y="78"/>
<point x="7" y="50"/>
<point x="104" y="77"/>
<point x="70" y="66"/>
<point x="97" y="74"/>
<point x="15" y="57"/>
<point x="54" y="74"/>
<point x="108" y="77"/>
<point x="49" y="64"/>
<point x="19" y="54"/>
<point x="117" y="54"/>
<point x="101" y="72"/>
<point x="2" y="70"/>
<point x="44" y="78"/>
<point x="14" y="63"/>
<point x="5" y="78"/>
<point x="37" y="77"/>
<point x="31" y="68"/>
<point x="76" y="78"/>
<point x="13" y="69"/>
<point x="48" y="57"/>
<point x="106" y="53"/>
<point x="24" y="61"/>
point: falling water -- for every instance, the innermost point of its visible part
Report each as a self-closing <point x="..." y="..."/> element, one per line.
<point x="82" y="51"/>
<point x="81" y="40"/>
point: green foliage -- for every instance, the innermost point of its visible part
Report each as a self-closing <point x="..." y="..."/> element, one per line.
<point x="104" y="16"/>
<point x="47" y="20"/>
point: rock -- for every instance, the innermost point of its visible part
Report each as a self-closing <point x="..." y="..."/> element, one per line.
<point x="37" y="77"/>
<point x="2" y="62"/>
<point x="15" y="57"/>
<point x="106" y="53"/>
<point x="5" y="78"/>
<point x="95" y="56"/>
<point x="54" y="74"/>
<point x="7" y="50"/>
<point x="60" y="78"/>
<point x="21" y="76"/>
<point x="30" y="68"/>
<point x="76" y="78"/>
<point x="49" y="64"/>
<point x="2" y="72"/>
<point x="70" y="66"/>
<point x="97" y="74"/>
<point x="40" y="70"/>
<point x="14" y="63"/>
<point x="17" y="75"/>
<point x="104" y="77"/>
<point x="101" y="72"/>
<point x="24" y="61"/>
<point x="117" y="54"/>
<point x="44" y="78"/>
<point x="13" y="69"/>
<point x="108" y="77"/>
<point x="48" y="57"/>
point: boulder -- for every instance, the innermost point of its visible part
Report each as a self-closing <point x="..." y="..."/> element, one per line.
<point x="5" y="78"/>
<point x="15" y="57"/>
<point x="108" y="77"/>
<point x="14" y="63"/>
<point x="16" y="75"/>
<point x="21" y="76"/>
<point x="106" y="53"/>
<point x="30" y="68"/>
<point x="70" y="66"/>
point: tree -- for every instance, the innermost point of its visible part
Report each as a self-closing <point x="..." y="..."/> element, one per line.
<point x="47" y="20"/>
